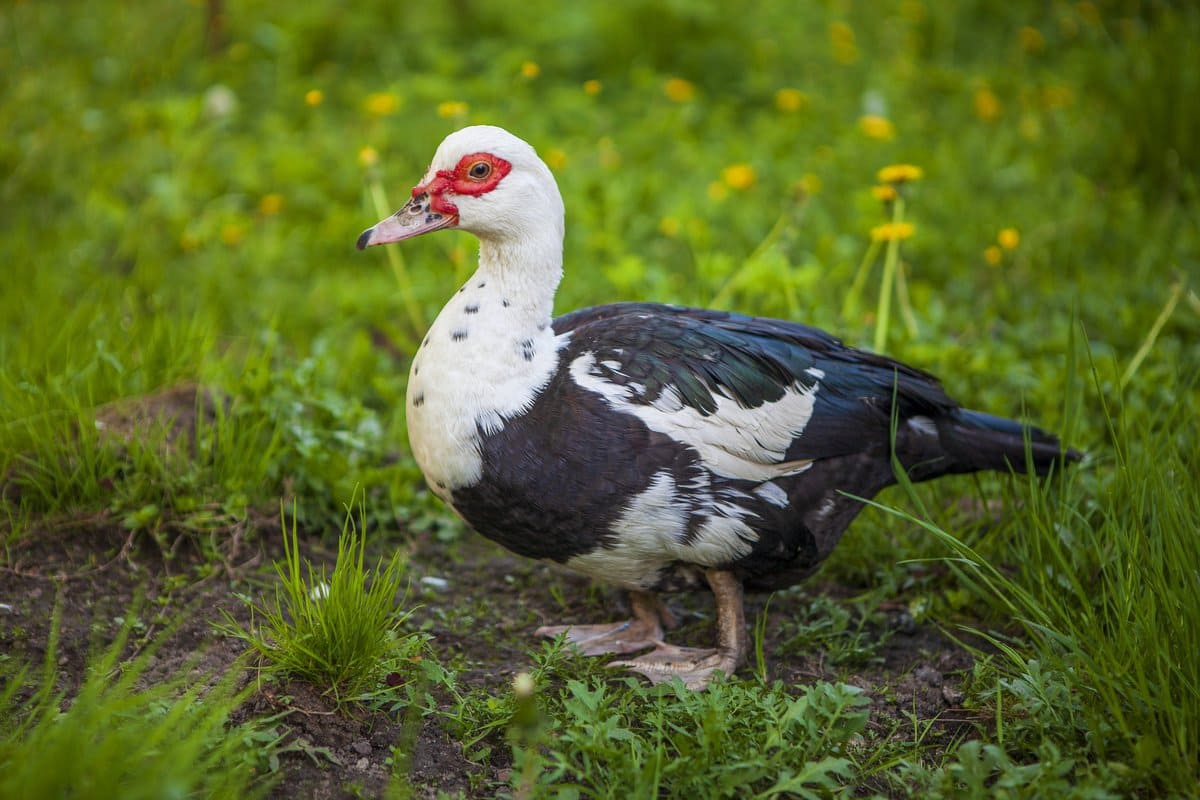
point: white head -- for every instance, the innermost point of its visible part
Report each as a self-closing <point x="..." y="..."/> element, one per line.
<point x="483" y="180"/>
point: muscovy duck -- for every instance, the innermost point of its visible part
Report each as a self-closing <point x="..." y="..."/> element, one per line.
<point x="653" y="446"/>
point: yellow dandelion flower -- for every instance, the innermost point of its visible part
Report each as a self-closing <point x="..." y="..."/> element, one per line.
<point x="892" y="231"/>
<point x="738" y="176"/>
<point x="809" y="184"/>
<point x="452" y="108"/>
<point x="368" y="156"/>
<point x="592" y="87"/>
<point x="1031" y="39"/>
<point x="913" y="10"/>
<point x="1088" y="12"/>
<point x="1030" y="127"/>
<point x="669" y="227"/>
<point x="530" y="70"/>
<point x="381" y="104"/>
<point x="556" y="159"/>
<point x="993" y="256"/>
<point x="1009" y="238"/>
<point x="900" y="173"/>
<point x="610" y="157"/>
<point x="877" y="127"/>
<point x="1057" y="96"/>
<point x="232" y="233"/>
<point x="841" y="40"/>
<point x="987" y="104"/>
<point x="314" y="97"/>
<point x="270" y="204"/>
<point x="790" y="100"/>
<point x="885" y="193"/>
<point x="1068" y="25"/>
<point x="717" y="191"/>
<point x="679" y="90"/>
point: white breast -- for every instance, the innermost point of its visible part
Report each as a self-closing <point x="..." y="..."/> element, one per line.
<point x="477" y="367"/>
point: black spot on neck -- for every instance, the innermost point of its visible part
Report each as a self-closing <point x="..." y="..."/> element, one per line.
<point x="527" y="350"/>
<point x="504" y="303"/>
<point x="473" y="308"/>
<point x="459" y="335"/>
<point x="419" y="400"/>
<point x="481" y="284"/>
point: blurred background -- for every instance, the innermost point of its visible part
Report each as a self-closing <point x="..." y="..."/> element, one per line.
<point x="182" y="185"/>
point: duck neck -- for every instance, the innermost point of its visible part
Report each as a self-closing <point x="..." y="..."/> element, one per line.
<point x="524" y="273"/>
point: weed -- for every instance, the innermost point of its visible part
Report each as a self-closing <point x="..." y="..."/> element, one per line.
<point x="842" y="638"/>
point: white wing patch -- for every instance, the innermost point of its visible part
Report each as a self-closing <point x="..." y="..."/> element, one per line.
<point x="733" y="441"/>
<point x="771" y="493"/>
<point x="652" y="532"/>
<point x="923" y="425"/>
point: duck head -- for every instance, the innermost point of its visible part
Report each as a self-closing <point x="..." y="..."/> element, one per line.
<point x="482" y="180"/>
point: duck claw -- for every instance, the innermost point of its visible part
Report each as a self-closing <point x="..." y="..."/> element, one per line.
<point x="617" y="638"/>
<point x="694" y="666"/>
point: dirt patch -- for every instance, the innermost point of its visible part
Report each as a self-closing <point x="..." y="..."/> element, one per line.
<point x="479" y="603"/>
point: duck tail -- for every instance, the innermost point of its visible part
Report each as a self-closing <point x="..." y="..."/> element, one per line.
<point x="978" y="441"/>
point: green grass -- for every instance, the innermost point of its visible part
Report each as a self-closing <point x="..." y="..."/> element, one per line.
<point x="115" y="737"/>
<point x="1102" y="583"/>
<point x="342" y="631"/>
<point x="176" y="215"/>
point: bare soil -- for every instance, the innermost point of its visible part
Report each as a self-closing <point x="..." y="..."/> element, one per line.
<point x="480" y="608"/>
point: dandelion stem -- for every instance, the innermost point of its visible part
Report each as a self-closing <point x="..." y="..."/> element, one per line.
<point x="396" y="261"/>
<point x="787" y="218"/>
<point x="1155" y="329"/>
<point x="906" y="309"/>
<point x="850" y="306"/>
<point x="890" y="262"/>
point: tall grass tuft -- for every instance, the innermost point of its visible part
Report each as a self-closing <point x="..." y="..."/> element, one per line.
<point x="1102" y="577"/>
<point x="340" y="631"/>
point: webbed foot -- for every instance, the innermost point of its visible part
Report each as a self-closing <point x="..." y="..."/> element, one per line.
<point x="643" y="630"/>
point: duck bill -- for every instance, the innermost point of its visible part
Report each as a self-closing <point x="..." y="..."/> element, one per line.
<point x="414" y="219"/>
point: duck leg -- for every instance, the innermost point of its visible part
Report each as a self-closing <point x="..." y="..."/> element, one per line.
<point x="644" y="629"/>
<point x="695" y="666"/>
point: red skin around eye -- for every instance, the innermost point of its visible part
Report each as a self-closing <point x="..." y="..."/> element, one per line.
<point x="458" y="181"/>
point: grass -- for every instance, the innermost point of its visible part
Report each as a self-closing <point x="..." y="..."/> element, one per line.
<point x="342" y="631"/>
<point x="114" y="737"/>
<point x="181" y="199"/>
<point x="1105" y="664"/>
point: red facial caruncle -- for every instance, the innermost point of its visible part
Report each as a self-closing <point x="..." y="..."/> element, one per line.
<point x="475" y="174"/>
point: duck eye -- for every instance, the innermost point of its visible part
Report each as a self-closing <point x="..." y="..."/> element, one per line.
<point x="480" y="170"/>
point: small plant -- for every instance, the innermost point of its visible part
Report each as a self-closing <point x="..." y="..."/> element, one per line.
<point x="116" y="739"/>
<point x="842" y="636"/>
<point x="342" y="631"/>
<point x="595" y="737"/>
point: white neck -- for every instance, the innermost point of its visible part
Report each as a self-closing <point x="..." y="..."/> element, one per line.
<point x="524" y="272"/>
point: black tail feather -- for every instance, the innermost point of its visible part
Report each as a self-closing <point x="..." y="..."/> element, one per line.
<point x="978" y="441"/>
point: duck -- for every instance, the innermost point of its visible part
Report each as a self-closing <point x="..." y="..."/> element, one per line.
<point x="654" y="447"/>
